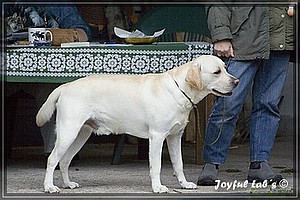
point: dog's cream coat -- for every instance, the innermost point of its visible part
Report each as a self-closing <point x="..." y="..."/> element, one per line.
<point x="149" y="106"/>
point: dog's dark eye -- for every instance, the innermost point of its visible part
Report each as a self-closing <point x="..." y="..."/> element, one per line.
<point x="217" y="72"/>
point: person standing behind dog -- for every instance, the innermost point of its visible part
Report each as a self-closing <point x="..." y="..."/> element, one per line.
<point x="259" y="40"/>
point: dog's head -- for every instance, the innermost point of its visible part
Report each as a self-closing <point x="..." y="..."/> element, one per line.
<point x="209" y="73"/>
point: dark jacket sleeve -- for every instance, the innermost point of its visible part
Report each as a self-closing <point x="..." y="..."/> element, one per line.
<point x="246" y="26"/>
<point x="218" y="20"/>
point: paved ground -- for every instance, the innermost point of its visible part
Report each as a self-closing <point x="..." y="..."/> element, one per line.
<point x="99" y="179"/>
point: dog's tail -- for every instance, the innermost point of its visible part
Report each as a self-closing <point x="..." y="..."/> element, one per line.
<point x="47" y="109"/>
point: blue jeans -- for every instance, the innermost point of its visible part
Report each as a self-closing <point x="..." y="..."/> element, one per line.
<point x="266" y="79"/>
<point x="66" y="14"/>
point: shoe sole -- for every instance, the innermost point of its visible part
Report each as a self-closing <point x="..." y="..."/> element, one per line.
<point x="206" y="183"/>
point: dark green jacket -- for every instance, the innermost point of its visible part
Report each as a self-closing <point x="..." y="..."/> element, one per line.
<point x="253" y="30"/>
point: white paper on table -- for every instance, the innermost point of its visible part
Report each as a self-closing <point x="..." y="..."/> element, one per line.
<point x="135" y="34"/>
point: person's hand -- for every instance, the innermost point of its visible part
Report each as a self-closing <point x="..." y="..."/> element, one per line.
<point x="223" y="48"/>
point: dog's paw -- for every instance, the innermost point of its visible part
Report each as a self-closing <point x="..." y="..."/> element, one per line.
<point x="160" y="189"/>
<point x="52" y="189"/>
<point x="188" y="185"/>
<point x="71" y="185"/>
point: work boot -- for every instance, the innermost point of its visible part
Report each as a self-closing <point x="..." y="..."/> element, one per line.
<point x="261" y="171"/>
<point x="208" y="175"/>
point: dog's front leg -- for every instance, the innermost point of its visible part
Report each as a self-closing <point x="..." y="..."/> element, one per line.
<point x="155" y="150"/>
<point x="174" y="147"/>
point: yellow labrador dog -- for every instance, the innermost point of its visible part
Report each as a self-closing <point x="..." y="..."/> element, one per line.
<point x="152" y="106"/>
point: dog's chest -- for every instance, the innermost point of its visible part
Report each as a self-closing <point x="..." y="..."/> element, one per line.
<point x="178" y="126"/>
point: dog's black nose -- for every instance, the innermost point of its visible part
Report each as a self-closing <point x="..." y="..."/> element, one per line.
<point x="236" y="82"/>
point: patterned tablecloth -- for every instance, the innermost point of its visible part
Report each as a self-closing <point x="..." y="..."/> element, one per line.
<point x="58" y="65"/>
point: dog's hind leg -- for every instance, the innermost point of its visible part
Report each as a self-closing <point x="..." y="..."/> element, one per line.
<point x="174" y="147"/>
<point x="64" y="163"/>
<point x="66" y="135"/>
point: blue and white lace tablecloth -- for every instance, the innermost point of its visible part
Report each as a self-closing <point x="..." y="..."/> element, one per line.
<point x="57" y="65"/>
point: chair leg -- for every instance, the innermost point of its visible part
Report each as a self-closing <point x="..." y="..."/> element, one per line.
<point x="118" y="149"/>
<point x="143" y="149"/>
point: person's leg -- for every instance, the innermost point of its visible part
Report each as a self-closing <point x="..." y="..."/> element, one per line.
<point x="49" y="136"/>
<point x="222" y="121"/>
<point x="267" y="90"/>
<point x="48" y="130"/>
<point x="225" y="112"/>
<point x="68" y="17"/>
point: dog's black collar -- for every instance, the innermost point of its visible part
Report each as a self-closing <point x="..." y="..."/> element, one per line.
<point x="190" y="100"/>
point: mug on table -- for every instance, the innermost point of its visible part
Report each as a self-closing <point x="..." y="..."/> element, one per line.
<point x="39" y="36"/>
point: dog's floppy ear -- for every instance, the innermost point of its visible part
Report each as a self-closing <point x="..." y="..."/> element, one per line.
<point x="193" y="77"/>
